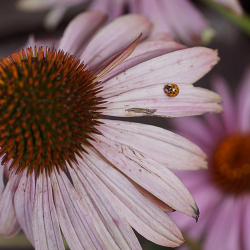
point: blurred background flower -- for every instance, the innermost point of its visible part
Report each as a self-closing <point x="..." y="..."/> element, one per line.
<point x="223" y="192"/>
<point x="180" y="18"/>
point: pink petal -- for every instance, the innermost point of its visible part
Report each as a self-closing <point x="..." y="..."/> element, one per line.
<point x="143" y="216"/>
<point x="215" y="124"/>
<point x="23" y="200"/>
<point x="161" y="145"/>
<point x="46" y="230"/>
<point x="75" y="222"/>
<point x="38" y="221"/>
<point x="221" y="87"/>
<point x="110" y="217"/>
<point x="246" y="224"/>
<point x="147" y="173"/>
<point x="143" y="52"/>
<point x="224" y="233"/>
<point x="9" y="225"/>
<point x="113" y="38"/>
<point x="186" y="21"/>
<point x="243" y="103"/>
<point x="195" y="130"/>
<point x="180" y="67"/>
<point x="153" y="101"/>
<point x="78" y="31"/>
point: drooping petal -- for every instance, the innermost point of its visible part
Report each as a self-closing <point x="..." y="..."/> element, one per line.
<point x="168" y="148"/>
<point x="193" y="179"/>
<point x="142" y="215"/>
<point x="78" y="31"/>
<point x="153" y="101"/>
<point x="143" y="52"/>
<point x="201" y="135"/>
<point x="120" y="235"/>
<point x="23" y="200"/>
<point x="180" y="67"/>
<point x="9" y="225"/>
<point x="215" y="124"/>
<point x="46" y="230"/>
<point x="246" y="224"/>
<point x="148" y="173"/>
<point x="75" y="222"/>
<point x="113" y="38"/>
<point x="224" y="233"/>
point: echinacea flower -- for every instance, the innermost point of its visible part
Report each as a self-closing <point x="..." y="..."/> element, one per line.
<point x="180" y="18"/>
<point x="69" y="167"/>
<point x="223" y="191"/>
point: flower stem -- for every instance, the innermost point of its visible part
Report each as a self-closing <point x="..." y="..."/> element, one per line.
<point x="243" y="22"/>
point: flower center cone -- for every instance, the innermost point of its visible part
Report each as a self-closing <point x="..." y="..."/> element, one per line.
<point x="48" y="108"/>
<point x="230" y="168"/>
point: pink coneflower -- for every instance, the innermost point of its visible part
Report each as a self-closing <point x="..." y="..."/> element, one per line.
<point x="180" y="18"/>
<point x="223" y="192"/>
<point x="71" y="169"/>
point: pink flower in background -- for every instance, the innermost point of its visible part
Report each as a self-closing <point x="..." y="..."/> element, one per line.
<point x="223" y="192"/>
<point x="180" y="18"/>
<point x="71" y="169"/>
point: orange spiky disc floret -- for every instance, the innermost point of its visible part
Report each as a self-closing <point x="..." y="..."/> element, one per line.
<point x="48" y="107"/>
<point x="230" y="168"/>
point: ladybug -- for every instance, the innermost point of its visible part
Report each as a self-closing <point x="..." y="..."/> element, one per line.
<point x="171" y="90"/>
